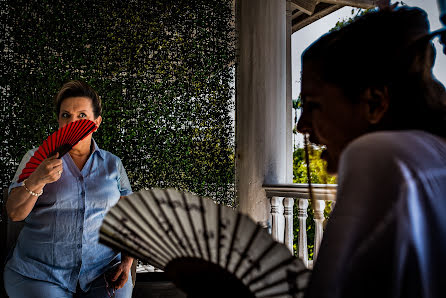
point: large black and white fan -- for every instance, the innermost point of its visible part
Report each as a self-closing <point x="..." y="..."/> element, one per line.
<point x="206" y="249"/>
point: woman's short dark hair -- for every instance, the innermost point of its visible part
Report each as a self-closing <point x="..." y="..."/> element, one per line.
<point x="388" y="48"/>
<point x="78" y="88"/>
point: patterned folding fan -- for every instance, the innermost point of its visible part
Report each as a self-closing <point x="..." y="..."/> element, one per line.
<point x="60" y="141"/>
<point x="208" y="250"/>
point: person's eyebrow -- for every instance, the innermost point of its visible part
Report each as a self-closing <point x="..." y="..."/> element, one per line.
<point x="77" y="111"/>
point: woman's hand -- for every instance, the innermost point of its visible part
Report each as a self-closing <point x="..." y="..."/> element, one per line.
<point x="48" y="171"/>
<point x="120" y="274"/>
<point x="20" y="201"/>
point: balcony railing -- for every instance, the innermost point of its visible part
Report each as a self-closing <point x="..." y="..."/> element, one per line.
<point x="282" y="198"/>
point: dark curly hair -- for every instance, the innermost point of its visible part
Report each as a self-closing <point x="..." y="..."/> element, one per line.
<point x="389" y="48"/>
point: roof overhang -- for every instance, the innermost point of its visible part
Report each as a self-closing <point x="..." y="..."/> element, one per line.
<point x="305" y="12"/>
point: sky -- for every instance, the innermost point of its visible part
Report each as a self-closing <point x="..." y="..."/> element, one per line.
<point x="301" y="39"/>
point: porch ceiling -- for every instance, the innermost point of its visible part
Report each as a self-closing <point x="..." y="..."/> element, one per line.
<point x="305" y="12"/>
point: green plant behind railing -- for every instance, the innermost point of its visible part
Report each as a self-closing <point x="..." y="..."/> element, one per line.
<point x="319" y="175"/>
<point x="162" y="68"/>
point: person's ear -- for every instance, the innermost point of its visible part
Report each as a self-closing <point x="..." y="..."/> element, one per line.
<point x="376" y="103"/>
<point x="98" y="122"/>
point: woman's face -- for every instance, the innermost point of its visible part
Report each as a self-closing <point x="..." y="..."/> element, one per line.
<point x="76" y="108"/>
<point x="328" y="116"/>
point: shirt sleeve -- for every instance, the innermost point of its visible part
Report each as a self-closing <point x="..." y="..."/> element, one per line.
<point x="22" y="165"/>
<point x="123" y="181"/>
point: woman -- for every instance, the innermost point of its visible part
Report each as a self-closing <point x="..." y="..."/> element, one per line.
<point x="370" y="97"/>
<point x="63" y="203"/>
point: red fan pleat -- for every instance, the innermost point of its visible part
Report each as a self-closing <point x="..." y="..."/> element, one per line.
<point x="60" y="141"/>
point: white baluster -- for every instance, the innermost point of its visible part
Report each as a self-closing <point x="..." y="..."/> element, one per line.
<point x="288" y="204"/>
<point x="319" y="225"/>
<point x="302" y="215"/>
<point x="277" y="219"/>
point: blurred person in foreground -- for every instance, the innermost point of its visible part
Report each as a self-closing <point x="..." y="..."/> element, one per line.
<point x="369" y="96"/>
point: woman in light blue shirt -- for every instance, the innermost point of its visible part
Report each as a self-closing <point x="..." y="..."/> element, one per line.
<point x="63" y="203"/>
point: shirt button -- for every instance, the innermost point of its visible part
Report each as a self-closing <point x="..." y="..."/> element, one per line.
<point x="80" y="229"/>
<point x="83" y="193"/>
<point x="79" y="246"/>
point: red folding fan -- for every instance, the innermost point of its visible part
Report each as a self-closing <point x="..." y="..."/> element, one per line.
<point x="60" y="141"/>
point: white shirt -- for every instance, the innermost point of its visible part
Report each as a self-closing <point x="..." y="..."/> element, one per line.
<point x="387" y="234"/>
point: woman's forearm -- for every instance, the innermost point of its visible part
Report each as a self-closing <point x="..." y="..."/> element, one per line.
<point x="21" y="202"/>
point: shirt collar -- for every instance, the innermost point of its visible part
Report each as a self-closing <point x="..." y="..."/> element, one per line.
<point x="97" y="149"/>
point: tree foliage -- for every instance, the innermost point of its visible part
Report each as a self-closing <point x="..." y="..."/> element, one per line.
<point x="318" y="172"/>
<point x="318" y="175"/>
<point x="162" y="68"/>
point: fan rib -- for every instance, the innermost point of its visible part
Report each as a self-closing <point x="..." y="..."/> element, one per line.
<point x="170" y="229"/>
<point x="177" y="218"/>
<point x="46" y="148"/>
<point x="105" y="239"/>
<point x="248" y="246"/>
<point x="152" y="213"/>
<point x="285" y="262"/>
<point x="123" y="236"/>
<point x="38" y="155"/>
<point x="151" y="227"/>
<point x="59" y="136"/>
<point x="281" y="294"/>
<point x="257" y="261"/>
<point x="85" y="131"/>
<point x="128" y="233"/>
<point x="136" y="233"/>
<point x="231" y="246"/>
<point x="31" y="163"/>
<point x="74" y="127"/>
<point x="286" y="279"/>
<point x="50" y="142"/>
<point x="189" y="216"/>
<point x="205" y="229"/>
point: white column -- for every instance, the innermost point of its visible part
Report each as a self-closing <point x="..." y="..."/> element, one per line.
<point x="289" y="100"/>
<point x="302" y="215"/>
<point x="288" y="204"/>
<point x="319" y="225"/>
<point x="261" y="146"/>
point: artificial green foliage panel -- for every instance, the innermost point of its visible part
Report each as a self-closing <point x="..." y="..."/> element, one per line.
<point x="164" y="70"/>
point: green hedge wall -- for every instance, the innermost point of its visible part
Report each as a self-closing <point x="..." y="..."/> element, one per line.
<point x="164" y="70"/>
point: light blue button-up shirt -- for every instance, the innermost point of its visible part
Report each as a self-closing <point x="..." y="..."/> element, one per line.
<point x="59" y="242"/>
